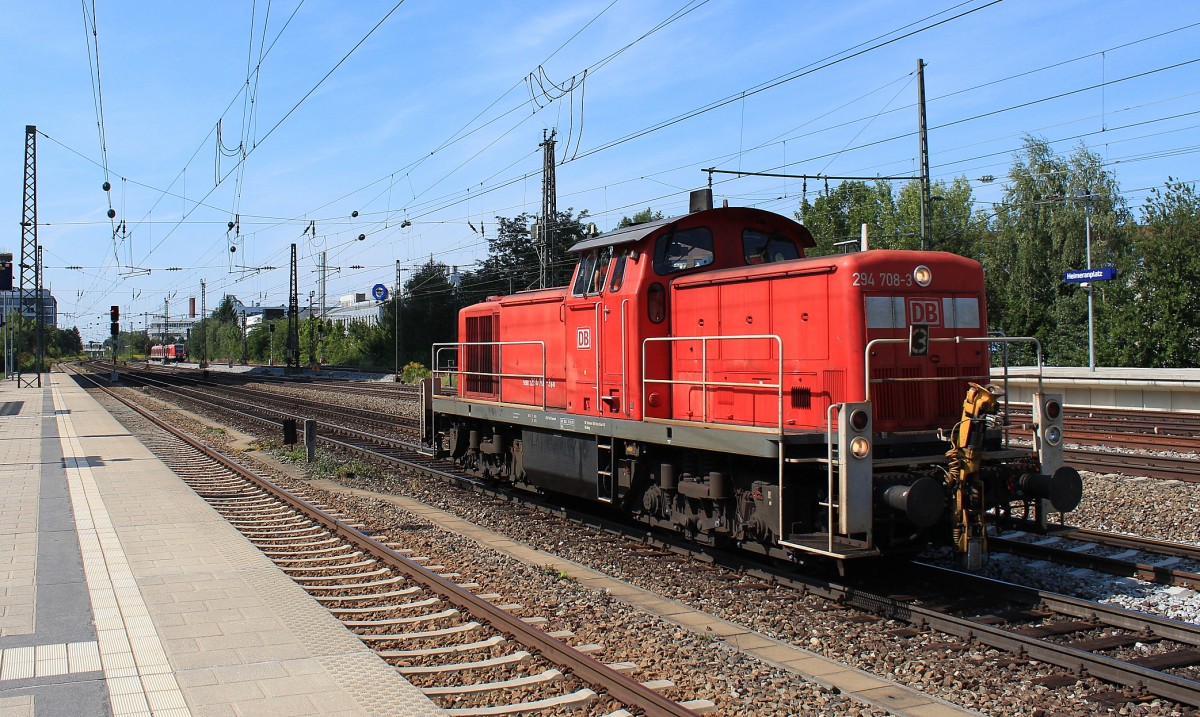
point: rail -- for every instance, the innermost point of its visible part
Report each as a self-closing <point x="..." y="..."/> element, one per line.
<point x="456" y="371"/>
<point x="620" y="687"/>
<point x="704" y="383"/>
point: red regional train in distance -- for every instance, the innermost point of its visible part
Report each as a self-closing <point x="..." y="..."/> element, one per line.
<point x="167" y="353"/>
<point x="701" y="374"/>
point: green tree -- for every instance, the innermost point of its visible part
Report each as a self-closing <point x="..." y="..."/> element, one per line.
<point x="837" y="215"/>
<point x="512" y="263"/>
<point x="226" y="312"/>
<point x="428" y="308"/>
<point x="641" y="217"/>
<point x="1038" y="233"/>
<point x="954" y="224"/>
<point x="258" y="342"/>
<point x="893" y="220"/>
<point x="1162" y="271"/>
<point x="217" y="337"/>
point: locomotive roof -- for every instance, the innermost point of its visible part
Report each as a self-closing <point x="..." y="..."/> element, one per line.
<point x="624" y="235"/>
<point x="637" y="232"/>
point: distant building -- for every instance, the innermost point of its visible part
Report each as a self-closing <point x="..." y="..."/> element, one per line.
<point x="9" y="300"/>
<point x="355" y="309"/>
<point x="173" y="331"/>
<point x="256" y="315"/>
<point x="351" y="309"/>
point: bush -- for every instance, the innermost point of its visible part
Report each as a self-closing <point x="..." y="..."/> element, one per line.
<point x="413" y="371"/>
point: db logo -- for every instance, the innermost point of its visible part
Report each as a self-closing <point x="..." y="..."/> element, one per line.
<point x="583" y="337"/>
<point x="924" y="311"/>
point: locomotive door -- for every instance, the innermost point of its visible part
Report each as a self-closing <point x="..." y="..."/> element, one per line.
<point x="583" y="356"/>
<point x="614" y="327"/>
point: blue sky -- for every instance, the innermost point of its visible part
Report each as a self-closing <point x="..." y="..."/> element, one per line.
<point x="430" y="128"/>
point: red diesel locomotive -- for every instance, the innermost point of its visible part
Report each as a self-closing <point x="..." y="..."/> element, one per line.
<point x="700" y="373"/>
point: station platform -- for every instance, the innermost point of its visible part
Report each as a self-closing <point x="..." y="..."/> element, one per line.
<point x="123" y="593"/>
<point x="1145" y="389"/>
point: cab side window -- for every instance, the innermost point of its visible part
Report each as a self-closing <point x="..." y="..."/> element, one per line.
<point x="618" y="272"/>
<point x="680" y="250"/>
<point x="584" y="273"/>
<point x="761" y="248"/>
<point x="592" y="271"/>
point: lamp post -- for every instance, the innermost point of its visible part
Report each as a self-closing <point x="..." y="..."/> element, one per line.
<point x="312" y="333"/>
<point x="1087" y="223"/>
<point x="395" y="312"/>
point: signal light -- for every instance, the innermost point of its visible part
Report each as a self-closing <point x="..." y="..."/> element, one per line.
<point x="859" y="419"/>
<point x="6" y="272"/>
<point x="114" y="313"/>
<point x="1053" y="410"/>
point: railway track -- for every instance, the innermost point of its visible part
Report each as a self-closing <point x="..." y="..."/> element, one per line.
<point x="1154" y="561"/>
<point x="1082" y="636"/>
<point x="471" y="656"/>
<point x="1135" y="464"/>
<point x="1029" y="622"/>
<point x="341" y="385"/>
<point x="1132" y="434"/>
<point x="285" y="406"/>
<point x="1141" y="431"/>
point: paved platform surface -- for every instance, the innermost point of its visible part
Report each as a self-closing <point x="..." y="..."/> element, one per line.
<point x="123" y="593"/>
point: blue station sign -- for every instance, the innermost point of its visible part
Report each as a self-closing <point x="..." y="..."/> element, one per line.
<point x="379" y="292"/>
<point x="1100" y="273"/>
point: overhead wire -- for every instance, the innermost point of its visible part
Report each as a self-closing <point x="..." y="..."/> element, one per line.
<point x="259" y="142"/>
<point x="825" y="63"/>
<point x="861" y="48"/>
<point x="463" y="133"/>
<point x="475" y="194"/>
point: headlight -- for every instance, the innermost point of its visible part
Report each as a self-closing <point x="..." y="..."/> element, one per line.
<point x="922" y="275"/>
<point x="1053" y="435"/>
<point x="860" y="447"/>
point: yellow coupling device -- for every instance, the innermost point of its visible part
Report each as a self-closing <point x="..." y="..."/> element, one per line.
<point x="966" y="456"/>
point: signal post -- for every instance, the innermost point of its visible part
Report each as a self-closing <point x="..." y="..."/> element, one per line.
<point x="114" y="315"/>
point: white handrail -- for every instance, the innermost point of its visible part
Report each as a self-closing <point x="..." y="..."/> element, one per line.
<point x="955" y="340"/>
<point x="499" y="345"/>
<point x="704" y="383"/>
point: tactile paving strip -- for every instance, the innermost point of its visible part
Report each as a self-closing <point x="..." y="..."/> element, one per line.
<point x="129" y="644"/>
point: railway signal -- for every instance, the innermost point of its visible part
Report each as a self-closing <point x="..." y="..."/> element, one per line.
<point x="6" y="272"/>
